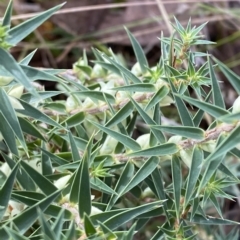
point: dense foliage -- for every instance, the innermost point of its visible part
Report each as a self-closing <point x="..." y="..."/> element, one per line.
<point x="106" y="162"/>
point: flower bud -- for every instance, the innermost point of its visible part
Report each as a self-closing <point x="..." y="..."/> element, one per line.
<point x="15" y="103"/>
<point x="236" y="105"/>
<point x="186" y="156"/>
<point x="16" y="91"/>
<point x="5" y="80"/>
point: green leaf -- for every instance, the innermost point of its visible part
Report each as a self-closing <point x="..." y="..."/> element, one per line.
<point x="125" y="177"/>
<point x="6" y="190"/>
<point x="138" y="87"/>
<point x="181" y="107"/>
<point x="10" y="116"/>
<point x="9" y="63"/>
<point x="146" y="169"/>
<point x="158" y="134"/>
<point x="14" y="235"/>
<point x="24" y="29"/>
<point x="125" y="140"/>
<point x="57" y="227"/>
<point x="29" y="98"/>
<point x="130" y="214"/>
<point x="33" y="112"/>
<point x="6" y="21"/>
<point x="121" y="115"/>
<point x="39" y="179"/>
<point x="84" y="197"/>
<point x="30" y="129"/>
<point x="207" y="107"/>
<point x="74" y="149"/>
<point x="88" y="226"/>
<point x="232" y="77"/>
<point x="75" y="119"/>
<point x="25" y="61"/>
<point x="26" y="219"/>
<point x="46" y="163"/>
<point x="8" y="135"/>
<point x="36" y="74"/>
<point x="217" y="95"/>
<point x="31" y="198"/>
<point x="108" y="233"/>
<point x="123" y="70"/>
<point x="99" y="185"/>
<point x="96" y="95"/>
<point x="226" y="145"/>
<point x="188" y="132"/>
<point x="159" y="186"/>
<point x="22" y="176"/>
<point x="177" y="183"/>
<point x="161" y="150"/>
<point x="60" y="161"/>
<point x="199" y="219"/>
<point x="193" y="174"/>
<point x="158" y="96"/>
<point x="45" y="227"/>
<point x="139" y="53"/>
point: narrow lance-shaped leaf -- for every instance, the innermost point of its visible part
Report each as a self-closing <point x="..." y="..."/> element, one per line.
<point x="8" y="135"/>
<point x="46" y="163"/>
<point x="217" y="96"/>
<point x="121" y="115"/>
<point x="124" y="139"/>
<point x="7" y="15"/>
<point x="10" y="64"/>
<point x="39" y="179"/>
<point x="232" y="77"/>
<point x="161" y="150"/>
<point x="146" y="169"/>
<point x="84" y="198"/>
<point x="188" y="132"/>
<point x="194" y="172"/>
<point x="88" y="226"/>
<point x="45" y="227"/>
<point x="74" y="149"/>
<point x="24" y="29"/>
<point x="123" y="180"/>
<point x="158" y="134"/>
<point x="177" y="183"/>
<point x="158" y="96"/>
<point x="181" y="107"/>
<point x="130" y="214"/>
<point x="6" y="190"/>
<point x="215" y="111"/>
<point x="25" y="220"/>
<point x="139" y="53"/>
<point x="10" y="116"/>
<point x="30" y="111"/>
<point x="137" y="87"/>
<point x="25" y="61"/>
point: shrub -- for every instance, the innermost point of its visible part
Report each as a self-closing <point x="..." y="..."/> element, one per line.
<point x="73" y="170"/>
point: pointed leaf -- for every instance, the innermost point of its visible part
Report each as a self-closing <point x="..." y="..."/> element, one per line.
<point x="161" y="150"/>
<point x="177" y="183"/>
<point x="6" y="190"/>
<point x="10" y="64"/>
<point x="10" y="116"/>
<point x="139" y="53"/>
<point x="138" y="87"/>
<point x="147" y="168"/>
<point x="74" y="149"/>
<point x="217" y="95"/>
<point x="39" y="179"/>
<point x="6" y="21"/>
<point x="130" y="214"/>
<point x="188" y="132"/>
<point x="24" y="29"/>
<point x="88" y="226"/>
<point x="207" y="107"/>
<point x="125" y="140"/>
<point x="193" y="174"/>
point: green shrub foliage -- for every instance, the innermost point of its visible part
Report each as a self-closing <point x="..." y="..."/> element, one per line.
<point x="110" y="161"/>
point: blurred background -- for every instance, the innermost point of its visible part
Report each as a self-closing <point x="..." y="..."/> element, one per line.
<point x="82" y="24"/>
